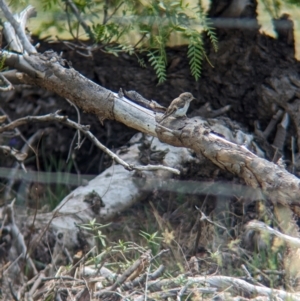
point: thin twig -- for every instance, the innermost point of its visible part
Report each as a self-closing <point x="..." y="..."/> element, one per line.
<point x="17" y="27"/>
<point x="18" y="132"/>
<point x="36" y="283"/>
<point x="260" y="226"/>
<point x="159" y="254"/>
<point x="140" y="40"/>
<point x="77" y="133"/>
<point x="69" y="23"/>
<point x="69" y="278"/>
<point x="55" y="214"/>
<point x="13" y="293"/>
<point x="105" y="11"/>
<point x="13" y="263"/>
<point x="79" y="18"/>
<point x="8" y="86"/>
<point x="14" y="170"/>
<point x="85" y="130"/>
<point x="83" y="258"/>
<point x="207" y="218"/>
<point x="115" y="10"/>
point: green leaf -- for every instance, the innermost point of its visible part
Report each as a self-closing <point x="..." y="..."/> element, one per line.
<point x="157" y="61"/>
<point x="154" y="21"/>
<point x="98" y="31"/>
<point x="195" y="55"/>
<point x="210" y="31"/>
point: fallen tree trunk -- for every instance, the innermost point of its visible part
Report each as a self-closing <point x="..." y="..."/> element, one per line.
<point x="49" y="72"/>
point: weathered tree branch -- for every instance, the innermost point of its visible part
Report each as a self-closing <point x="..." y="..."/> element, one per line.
<point x="85" y="131"/>
<point x="195" y="133"/>
<point x="19" y="41"/>
<point x="51" y="72"/>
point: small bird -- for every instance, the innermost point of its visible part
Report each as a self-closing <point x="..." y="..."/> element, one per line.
<point x="179" y="106"/>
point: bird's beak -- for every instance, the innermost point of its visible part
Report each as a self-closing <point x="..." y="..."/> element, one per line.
<point x="194" y="98"/>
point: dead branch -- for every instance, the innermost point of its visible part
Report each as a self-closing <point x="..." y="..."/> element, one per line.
<point x="79" y="18"/>
<point x="5" y="84"/>
<point x="53" y="73"/>
<point x="25" y="149"/>
<point x="135" y="269"/>
<point x="85" y="130"/>
<point x="15" y="29"/>
<point x="19" y="156"/>
<point x="18" y="242"/>
<point x="262" y="227"/>
<point x="172" y="287"/>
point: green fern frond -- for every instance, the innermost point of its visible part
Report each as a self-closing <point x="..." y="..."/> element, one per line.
<point x="156" y="21"/>
<point x="141" y="62"/>
<point x="98" y="32"/>
<point x="195" y="55"/>
<point x="162" y="48"/>
<point x="104" y="33"/>
<point x="211" y="32"/>
<point x="208" y="27"/>
<point x="157" y="61"/>
<point x="127" y="49"/>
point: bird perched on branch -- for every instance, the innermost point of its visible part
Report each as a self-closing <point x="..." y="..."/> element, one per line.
<point x="179" y="106"/>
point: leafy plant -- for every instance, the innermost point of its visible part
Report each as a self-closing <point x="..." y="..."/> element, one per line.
<point x="272" y="7"/>
<point x="48" y="4"/>
<point x="195" y="54"/>
<point x="161" y="20"/>
<point x="56" y="191"/>
<point x="153" y="240"/>
<point x="95" y="229"/>
<point x="158" y="62"/>
<point x="135" y="27"/>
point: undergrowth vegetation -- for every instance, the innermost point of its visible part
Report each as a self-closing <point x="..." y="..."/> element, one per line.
<point x="112" y="25"/>
<point x="137" y="27"/>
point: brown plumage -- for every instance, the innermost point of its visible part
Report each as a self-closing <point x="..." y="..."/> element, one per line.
<point x="179" y="106"/>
